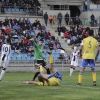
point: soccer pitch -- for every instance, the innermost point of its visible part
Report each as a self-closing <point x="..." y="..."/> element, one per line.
<point x="12" y="89"/>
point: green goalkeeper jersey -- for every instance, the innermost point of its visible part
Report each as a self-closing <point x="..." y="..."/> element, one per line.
<point x="38" y="51"/>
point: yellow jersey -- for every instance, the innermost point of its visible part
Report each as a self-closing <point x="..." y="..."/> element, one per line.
<point x="52" y="82"/>
<point x="89" y="44"/>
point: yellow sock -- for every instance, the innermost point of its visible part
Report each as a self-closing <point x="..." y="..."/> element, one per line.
<point x="80" y="78"/>
<point x="41" y="69"/>
<point x="94" y="77"/>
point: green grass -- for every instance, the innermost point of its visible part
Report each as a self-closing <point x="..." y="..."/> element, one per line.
<point x="12" y="89"/>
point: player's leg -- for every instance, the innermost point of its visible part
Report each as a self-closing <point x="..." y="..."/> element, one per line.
<point x="37" y="67"/>
<point x="44" y="64"/>
<point x="5" y="65"/>
<point x="72" y="68"/>
<point x="51" y="69"/>
<point x="1" y="64"/>
<point x="45" y="76"/>
<point x="92" y="66"/>
<point x="84" y="64"/>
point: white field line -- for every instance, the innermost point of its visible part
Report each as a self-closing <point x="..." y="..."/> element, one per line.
<point x="63" y="85"/>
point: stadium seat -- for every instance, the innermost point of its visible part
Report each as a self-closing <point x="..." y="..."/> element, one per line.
<point x="19" y="58"/>
<point x="28" y="58"/>
<point x="46" y="58"/>
<point x="99" y="57"/>
<point x="55" y="58"/>
<point x="13" y="10"/>
<point x="24" y="58"/>
<point x="44" y="51"/>
<point x="13" y="58"/>
<point x="12" y="51"/>
<point x="53" y="51"/>
<point x="58" y="51"/>
<point x="74" y="38"/>
<point x="9" y="10"/>
<point x="17" y="10"/>
<point x="21" y="10"/>
<point x="47" y="55"/>
<point x="5" y="9"/>
<point x="31" y="58"/>
<point x="16" y="40"/>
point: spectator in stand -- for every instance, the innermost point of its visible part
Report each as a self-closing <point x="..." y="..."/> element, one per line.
<point x="67" y="18"/>
<point x="43" y="28"/>
<point x="54" y="46"/>
<point x="71" y="22"/>
<point x="52" y="37"/>
<point x="59" y="18"/>
<point x="92" y="17"/>
<point x="54" y="19"/>
<point x="25" y="41"/>
<point x="0" y="39"/>
<point x="16" y="26"/>
<point x="50" y="19"/>
<point x="77" y="21"/>
<point x="85" y="4"/>
<point x="19" y="46"/>
<point x="59" y="30"/>
<point x="63" y="28"/>
<point x="46" y="18"/>
<point x="50" y="45"/>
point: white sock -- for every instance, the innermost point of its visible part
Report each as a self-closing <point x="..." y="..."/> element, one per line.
<point x="71" y="71"/>
<point x="2" y="74"/>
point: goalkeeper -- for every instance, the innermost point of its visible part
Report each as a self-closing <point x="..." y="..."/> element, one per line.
<point x="39" y="59"/>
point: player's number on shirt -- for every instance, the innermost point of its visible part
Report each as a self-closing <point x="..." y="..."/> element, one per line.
<point x="5" y="49"/>
<point x="90" y="44"/>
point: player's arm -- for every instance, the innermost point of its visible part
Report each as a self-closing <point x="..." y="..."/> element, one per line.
<point x="29" y="82"/>
<point x="34" y="43"/>
<point x="81" y="48"/>
<point x="97" y="52"/>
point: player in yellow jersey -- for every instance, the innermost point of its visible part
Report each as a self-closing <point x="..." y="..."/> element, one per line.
<point x="89" y="46"/>
<point x="47" y="80"/>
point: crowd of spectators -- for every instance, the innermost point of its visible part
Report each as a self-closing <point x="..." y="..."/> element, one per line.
<point x="96" y="1"/>
<point x="74" y="34"/>
<point x="22" y="30"/>
<point x="28" y="6"/>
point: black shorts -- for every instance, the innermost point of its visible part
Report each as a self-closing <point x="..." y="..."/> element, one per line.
<point x="42" y="62"/>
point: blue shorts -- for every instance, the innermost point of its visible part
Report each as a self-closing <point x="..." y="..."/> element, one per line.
<point x="57" y="74"/>
<point x="85" y="62"/>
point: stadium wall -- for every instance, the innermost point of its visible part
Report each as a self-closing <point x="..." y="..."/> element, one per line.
<point x="88" y="14"/>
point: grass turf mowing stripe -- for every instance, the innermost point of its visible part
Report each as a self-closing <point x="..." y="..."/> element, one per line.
<point x="65" y="85"/>
<point x="81" y="87"/>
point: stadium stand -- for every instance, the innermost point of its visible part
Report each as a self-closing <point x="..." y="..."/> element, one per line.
<point x="32" y="7"/>
<point x="22" y="29"/>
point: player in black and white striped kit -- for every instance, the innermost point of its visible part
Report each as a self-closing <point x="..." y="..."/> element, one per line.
<point x="74" y="60"/>
<point x="5" y="57"/>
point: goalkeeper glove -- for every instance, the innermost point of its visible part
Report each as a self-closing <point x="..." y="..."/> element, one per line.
<point x="32" y="39"/>
<point x="45" y="60"/>
<point x="49" y="52"/>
